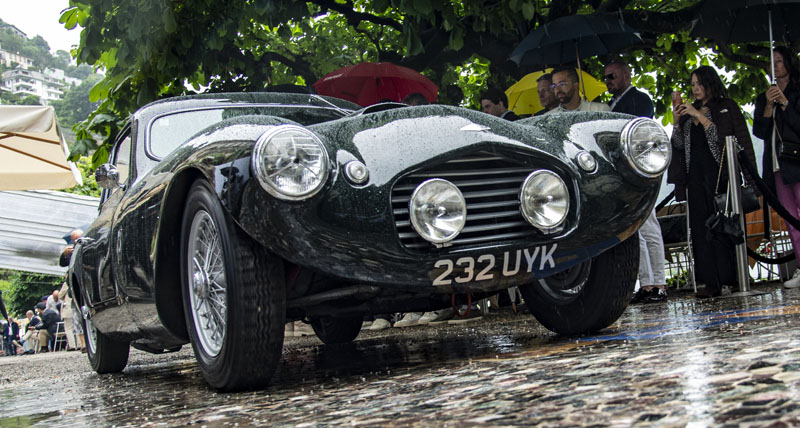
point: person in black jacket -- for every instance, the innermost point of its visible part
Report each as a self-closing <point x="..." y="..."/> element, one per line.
<point x="10" y="337"/>
<point x="47" y="328"/>
<point x="698" y="166"/>
<point x="626" y="98"/>
<point x="495" y="102"/>
<point x="782" y="175"/>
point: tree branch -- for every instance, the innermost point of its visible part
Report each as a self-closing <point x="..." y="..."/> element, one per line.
<point x="354" y="18"/>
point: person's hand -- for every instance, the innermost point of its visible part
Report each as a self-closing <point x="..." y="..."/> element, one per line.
<point x="677" y="112"/>
<point x="775" y="96"/>
<point x="687" y="108"/>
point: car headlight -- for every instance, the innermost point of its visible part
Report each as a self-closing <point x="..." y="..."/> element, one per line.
<point x="438" y="210"/>
<point x="544" y="199"/>
<point x="646" y="147"/>
<point x="290" y="162"/>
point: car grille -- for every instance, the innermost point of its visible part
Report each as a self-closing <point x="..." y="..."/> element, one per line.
<point x="490" y="184"/>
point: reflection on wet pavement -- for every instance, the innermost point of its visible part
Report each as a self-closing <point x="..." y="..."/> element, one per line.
<point x="681" y="363"/>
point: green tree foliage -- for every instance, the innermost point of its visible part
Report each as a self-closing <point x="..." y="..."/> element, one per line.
<point x="76" y="107"/>
<point x="89" y="186"/>
<point x="162" y="48"/>
<point x="26" y="290"/>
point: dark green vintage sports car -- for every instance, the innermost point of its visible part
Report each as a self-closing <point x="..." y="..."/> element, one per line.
<point x="224" y="216"/>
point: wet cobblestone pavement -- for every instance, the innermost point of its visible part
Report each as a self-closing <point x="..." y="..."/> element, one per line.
<point x="722" y="362"/>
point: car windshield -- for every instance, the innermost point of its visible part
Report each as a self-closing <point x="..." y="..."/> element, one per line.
<point x="169" y="131"/>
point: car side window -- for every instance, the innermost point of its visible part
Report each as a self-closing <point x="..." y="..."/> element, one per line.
<point x="122" y="159"/>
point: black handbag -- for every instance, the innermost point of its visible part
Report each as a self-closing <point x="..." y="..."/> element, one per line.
<point x="789" y="150"/>
<point x="749" y="201"/>
<point x="724" y="228"/>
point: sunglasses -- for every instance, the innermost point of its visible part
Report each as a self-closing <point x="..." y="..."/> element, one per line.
<point x="610" y="76"/>
<point x="559" y="85"/>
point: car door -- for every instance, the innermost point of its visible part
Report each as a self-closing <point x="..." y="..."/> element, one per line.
<point x="96" y="254"/>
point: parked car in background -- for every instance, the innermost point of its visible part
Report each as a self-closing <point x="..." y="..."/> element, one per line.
<point x="226" y="215"/>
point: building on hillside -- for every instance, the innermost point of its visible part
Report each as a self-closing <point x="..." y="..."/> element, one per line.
<point x="13" y="59"/>
<point x="13" y="30"/>
<point x="48" y="85"/>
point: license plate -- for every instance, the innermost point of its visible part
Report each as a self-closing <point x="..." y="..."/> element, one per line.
<point x="488" y="267"/>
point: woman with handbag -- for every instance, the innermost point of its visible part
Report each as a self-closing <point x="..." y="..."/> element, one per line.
<point x="698" y="170"/>
<point x="778" y="110"/>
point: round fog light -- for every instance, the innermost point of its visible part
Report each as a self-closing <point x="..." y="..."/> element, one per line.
<point x="586" y="161"/>
<point x="438" y="210"/>
<point x="544" y="199"/>
<point x="356" y="172"/>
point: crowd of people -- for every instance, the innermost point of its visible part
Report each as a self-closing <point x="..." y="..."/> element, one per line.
<point x="55" y="313"/>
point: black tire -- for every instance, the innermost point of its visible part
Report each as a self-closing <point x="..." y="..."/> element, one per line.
<point x="588" y="297"/>
<point x="331" y="330"/>
<point x="106" y="355"/>
<point x="236" y="330"/>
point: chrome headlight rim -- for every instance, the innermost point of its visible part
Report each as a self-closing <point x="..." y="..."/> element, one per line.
<point x="419" y="227"/>
<point x="625" y="140"/>
<point x="262" y="176"/>
<point x="547" y="228"/>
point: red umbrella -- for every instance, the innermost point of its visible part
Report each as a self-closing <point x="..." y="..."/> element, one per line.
<point x="368" y="83"/>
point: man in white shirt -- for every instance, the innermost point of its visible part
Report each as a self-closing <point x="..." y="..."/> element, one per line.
<point x="566" y="87"/>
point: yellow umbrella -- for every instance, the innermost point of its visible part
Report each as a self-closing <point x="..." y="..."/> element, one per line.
<point x="524" y="99"/>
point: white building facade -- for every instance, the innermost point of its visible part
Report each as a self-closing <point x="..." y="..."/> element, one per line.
<point x="48" y="85"/>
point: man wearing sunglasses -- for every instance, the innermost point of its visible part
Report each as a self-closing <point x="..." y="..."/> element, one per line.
<point x="566" y="87"/>
<point x="627" y="99"/>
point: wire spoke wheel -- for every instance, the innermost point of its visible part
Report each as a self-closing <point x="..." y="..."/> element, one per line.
<point x="208" y="286"/>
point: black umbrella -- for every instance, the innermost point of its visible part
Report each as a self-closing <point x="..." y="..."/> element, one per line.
<point x="740" y="21"/>
<point x="573" y="37"/>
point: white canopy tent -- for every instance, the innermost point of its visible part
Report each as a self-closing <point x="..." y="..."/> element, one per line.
<point x="33" y="153"/>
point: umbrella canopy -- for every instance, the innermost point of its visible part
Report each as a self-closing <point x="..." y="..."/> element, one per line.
<point x="523" y="97"/>
<point x="739" y="21"/>
<point x="369" y="83"/>
<point x="33" y="156"/>
<point x="573" y="37"/>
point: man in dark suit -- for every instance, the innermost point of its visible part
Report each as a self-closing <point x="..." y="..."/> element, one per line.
<point x="47" y="328"/>
<point x="627" y="99"/>
<point x="10" y="337"/>
<point x="495" y="102"/>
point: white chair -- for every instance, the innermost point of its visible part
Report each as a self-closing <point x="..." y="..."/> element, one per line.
<point x="60" y="339"/>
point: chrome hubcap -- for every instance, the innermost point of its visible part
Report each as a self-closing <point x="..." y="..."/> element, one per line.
<point x="207" y="290"/>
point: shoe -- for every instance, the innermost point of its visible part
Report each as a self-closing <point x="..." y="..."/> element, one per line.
<point x="707" y="292"/>
<point x="652" y="295"/>
<point x="657" y="294"/>
<point x="794" y="282"/>
<point x="436" y="316"/>
<point x="474" y="314"/>
<point x="409" y="319"/>
<point x="638" y="296"/>
<point x="380" y="324"/>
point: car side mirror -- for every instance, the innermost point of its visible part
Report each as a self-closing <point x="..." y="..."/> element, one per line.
<point x="107" y="176"/>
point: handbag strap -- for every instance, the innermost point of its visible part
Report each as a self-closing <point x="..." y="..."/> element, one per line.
<point x="775" y="127"/>
<point x="719" y="174"/>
